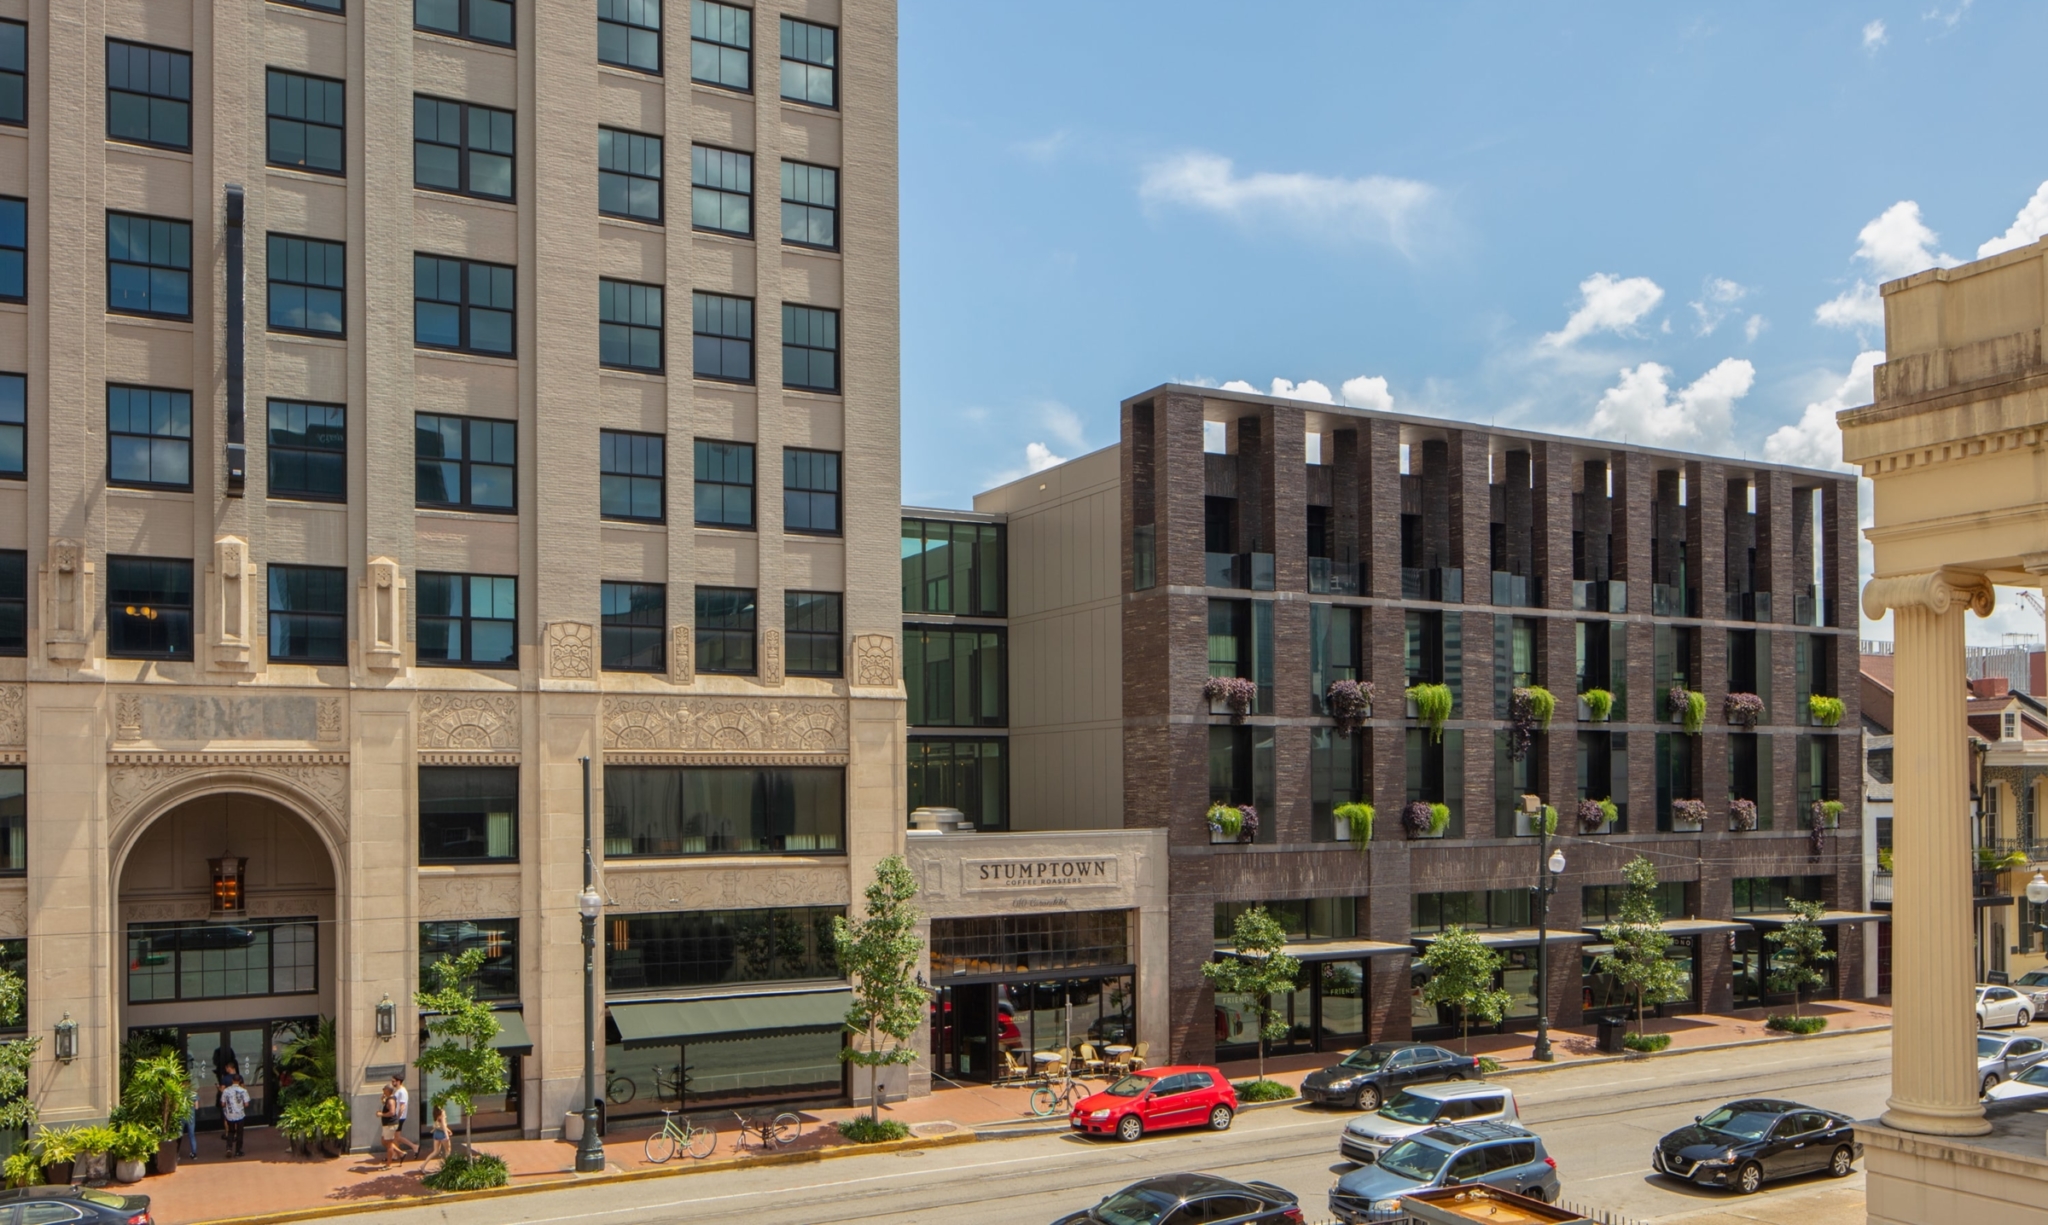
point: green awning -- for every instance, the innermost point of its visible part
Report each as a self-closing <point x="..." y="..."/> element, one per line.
<point x="729" y="1018"/>
<point x="512" y="1037"/>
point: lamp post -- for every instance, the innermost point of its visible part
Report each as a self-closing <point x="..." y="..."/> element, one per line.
<point x="1549" y="866"/>
<point x="2037" y="892"/>
<point x="589" y="1153"/>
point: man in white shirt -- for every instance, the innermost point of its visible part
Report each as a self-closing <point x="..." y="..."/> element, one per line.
<point x="234" y="1108"/>
<point x="401" y="1103"/>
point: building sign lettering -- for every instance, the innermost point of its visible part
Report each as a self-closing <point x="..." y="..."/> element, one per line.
<point x="1015" y="875"/>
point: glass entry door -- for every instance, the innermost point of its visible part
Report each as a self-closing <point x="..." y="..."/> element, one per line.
<point x="211" y="1053"/>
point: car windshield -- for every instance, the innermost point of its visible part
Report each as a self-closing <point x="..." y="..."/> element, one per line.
<point x="1366" y="1057"/>
<point x="1136" y="1205"/>
<point x="2036" y="1075"/>
<point x="1414" y="1159"/>
<point x="1129" y="1086"/>
<point x="1410" y="1108"/>
<point x="1749" y="1124"/>
<point x="2033" y="978"/>
<point x="1990" y="1048"/>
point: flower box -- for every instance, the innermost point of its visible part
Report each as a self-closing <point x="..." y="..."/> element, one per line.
<point x="1688" y="816"/>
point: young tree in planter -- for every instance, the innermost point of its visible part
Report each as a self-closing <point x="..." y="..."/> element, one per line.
<point x="463" y="1060"/>
<point x="1461" y="974"/>
<point x="1260" y="971"/>
<point x="1802" y="946"/>
<point x="1640" y="960"/>
<point x="879" y="953"/>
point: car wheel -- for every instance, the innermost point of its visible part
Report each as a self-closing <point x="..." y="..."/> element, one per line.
<point x="1843" y="1163"/>
<point x="2024" y="1019"/>
<point x="1455" y="1076"/>
<point x="1749" y="1179"/>
<point x="1990" y="1083"/>
<point x="1130" y="1128"/>
<point x="1368" y="1098"/>
<point x="1219" y="1119"/>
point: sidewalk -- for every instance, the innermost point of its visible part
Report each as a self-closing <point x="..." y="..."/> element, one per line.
<point x="271" y="1181"/>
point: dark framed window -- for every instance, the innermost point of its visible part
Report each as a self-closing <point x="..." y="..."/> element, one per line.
<point x="324" y="6"/>
<point x="629" y="175"/>
<point x="810" y="348"/>
<point x="810" y="63"/>
<point x="725" y="484"/>
<point x="813" y="630"/>
<point x="149" y="266"/>
<point x="1775" y="894"/>
<point x="725" y="630"/>
<point x="721" y="44"/>
<point x="467" y="620"/>
<point x="810" y="492"/>
<point x="810" y="205"/>
<point x="629" y="325"/>
<point x="1031" y="943"/>
<point x="308" y="451"/>
<point x="14" y="425"/>
<point x="149" y="437"/>
<point x="13" y="602"/>
<point x="723" y="810"/>
<point x="721" y="191"/>
<point x="305" y="116"/>
<point x="635" y="626"/>
<point x="13" y="820"/>
<point x="307" y="282"/>
<point x="1602" y="903"/>
<point x="631" y="483"/>
<point x="13" y="250"/>
<point x="722" y="330"/>
<point x="149" y="95"/>
<point x="13" y="72"/>
<point x="463" y="305"/>
<point x="498" y="980"/>
<point x="467" y="463"/>
<point x="704" y="948"/>
<point x="461" y="148"/>
<point x="149" y="608"/>
<point x="951" y="567"/>
<point x="1316" y="918"/>
<point x="955" y="676"/>
<point x="197" y="960"/>
<point x="469" y="813"/>
<point x="483" y="21"/>
<point x="1472" y="908"/>
<point x="970" y="775"/>
<point x="629" y="34"/>
<point x="309" y="614"/>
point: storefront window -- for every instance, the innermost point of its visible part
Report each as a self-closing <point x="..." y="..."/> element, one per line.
<point x="970" y="775"/>
<point x="499" y="940"/>
<point x="197" y="960"/>
<point x="1603" y="993"/>
<point x="672" y="811"/>
<point x="1496" y="909"/>
<point x="703" y="948"/>
<point x="1774" y="894"/>
<point x="643" y="1080"/>
<point x="1319" y="918"/>
<point x="1601" y="904"/>
<point x="1030" y="943"/>
<point x="1341" y="986"/>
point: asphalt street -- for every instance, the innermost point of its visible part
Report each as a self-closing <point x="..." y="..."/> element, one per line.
<point x="1599" y="1122"/>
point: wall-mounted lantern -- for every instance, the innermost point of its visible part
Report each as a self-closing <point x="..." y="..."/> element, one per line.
<point x="67" y="1039"/>
<point x="387" y="1019"/>
<point x="227" y="886"/>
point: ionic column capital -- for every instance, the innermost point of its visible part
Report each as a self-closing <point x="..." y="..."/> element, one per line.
<point x="1936" y="590"/>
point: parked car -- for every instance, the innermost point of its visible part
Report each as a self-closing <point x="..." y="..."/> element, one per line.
<point x="1186" y="1198"/>
<point x="1370" y="1075"/>
<point x="2031" y="1083"/>
<point x="1157" y="1099"/>
<point x="1743" y="1144"/>
<point x="1498" y="1154"/>
<point x="1425" y="1106"/>
<point x="80" y="1203"/>
<point x="2001" y="1057"/>
<point x="2034" y="985"/>
<point x="2002" y="1006"/>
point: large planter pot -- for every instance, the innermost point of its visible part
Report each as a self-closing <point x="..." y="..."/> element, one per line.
<point x="166" y="1159"/>
<point x="1414" y="712"/>
<point x="1342" y="827"/>
<point x="59" y="1173"/>
<point x="1217" y="838"/>
<point x="128" y="1171"/>
<point x="93" y="1167"/>
<point x="332" y="1147"/>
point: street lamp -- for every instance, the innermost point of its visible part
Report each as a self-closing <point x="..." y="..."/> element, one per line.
<point x="590" y="1152"/>
<point x="2037" y="890"/>
<point x="1549" y="866"/>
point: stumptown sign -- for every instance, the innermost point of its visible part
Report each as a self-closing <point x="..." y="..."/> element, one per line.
<point x="1015" y="875"/>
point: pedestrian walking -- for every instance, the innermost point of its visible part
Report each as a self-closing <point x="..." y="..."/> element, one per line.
<point x="387" y="1126"/>
<point x="401" y="1101"/>
<point x="234" y="1109"/>
<point x="442" y="1149"/>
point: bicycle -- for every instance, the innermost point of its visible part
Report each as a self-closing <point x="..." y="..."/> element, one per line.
<point x="680" y="1135"/>
<point x="768" y="1133"/>
<point x="620" y="1089"/>
<point x="1048" y="1098"/>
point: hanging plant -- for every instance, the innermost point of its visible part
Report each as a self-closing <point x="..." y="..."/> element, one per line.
<point x="1817" y="840"/>
<point x="1690" y="707"/>
<point x="1349" y="703"/>
<point x="1226" y="820"/>
<point x="1742" y="709"/>
<point x="1884" y="859"/>
<point x="1827" y="812"/>
<point x="1439" y="819"/>
<point x="1415" y="818"/>
<point x="1529" y="712"/>
<point x="1359" y="818"/>
<point x="1591" y="816"/>
<point x="1237" y="693"/>
<point x="1742" y="814"/>
<point x="1688" y="811"/>
<point x="1598" y="703"/>
<point x="1432" y="706"/>
<point x="1826" y="711"/>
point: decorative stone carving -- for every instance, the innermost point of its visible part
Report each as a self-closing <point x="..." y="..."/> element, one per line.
<point x="682" y="654"/>
<point x="321" y="778"/>
<point x="160" y="912"/>
<point x="1936" y="591"/>
<point x="725" y="888"/>
<point x="482" y="722"/>
<point x="232" y="577"/>
<point x="874" y="661"/>
<point x="468" y="896"/>
<point x="164" y="716"/>
<point x="383" y="614"/>
<point x="13" y="715"/>
<point x="67" y="603"/>
<point x="571" y="650"/>
<point x="771" y="657"/>
<point x="330" y="720"/>
<point x="128" y="716"/>
<point x="288" y="905"/>
<point x="724" y="725"/>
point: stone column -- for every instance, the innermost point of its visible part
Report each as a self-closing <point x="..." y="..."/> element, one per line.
<point x="1934" y="1077"/>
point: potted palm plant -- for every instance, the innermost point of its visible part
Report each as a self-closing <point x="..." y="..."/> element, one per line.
<point x="95" y="1142"/>
<point x="133" y="1145"/>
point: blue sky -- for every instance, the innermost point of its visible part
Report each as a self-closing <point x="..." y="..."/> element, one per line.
<point x="1648" y="221"/>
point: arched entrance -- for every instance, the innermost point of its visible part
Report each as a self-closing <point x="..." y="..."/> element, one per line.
<point x="226" y="988"/>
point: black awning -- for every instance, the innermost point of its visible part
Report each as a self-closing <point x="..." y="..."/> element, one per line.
<point x="729" y="1018"/>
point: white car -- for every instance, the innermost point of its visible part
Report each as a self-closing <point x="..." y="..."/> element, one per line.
<point x="2031" y="1083"/>
<point x="1420" y="1108"/>
<point x="2002" y="1057"/>
<point x="2002" y="1006"/>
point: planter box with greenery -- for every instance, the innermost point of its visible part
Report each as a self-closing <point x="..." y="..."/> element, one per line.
<point x="1262" y="1091"/>
<point x="873" y="1131"/>
<point x="1742" y="709"/>
<point x="1688" y="815"/>
<point x="1527" y="824"/>
<point x="1824" y="710"/>
<point x="1432" y="705"/>
<point x="1421" y="819"/>
<point x="1597" y="816"/>
<point x="1231" y="695"/>
<point x="1796" y="1025"/>
<point x="1742" y="815"/>
<point x="1349" y="703"/>
<point x="1232" y="823"/>
<point x="1688" y="709"/>
<point x="1353" y="823"/>
<point x="1595" y="705"/>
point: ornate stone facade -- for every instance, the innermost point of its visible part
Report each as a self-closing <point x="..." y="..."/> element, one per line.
<point x="682" y="658"/>
<point x="725" y="888"/>
<point x="472" y="721"/>
<point x="724" y="725"/>
<point x="874" y="660"/>
<point x="134" y="778"/>
<point x="771" y="657"/>
<point x="571" y="650"/>
<point x="13" y="716"/>
<point x="468" y="896"/>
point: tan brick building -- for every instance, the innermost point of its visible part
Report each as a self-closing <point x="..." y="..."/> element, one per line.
<point x="401" y="400"/>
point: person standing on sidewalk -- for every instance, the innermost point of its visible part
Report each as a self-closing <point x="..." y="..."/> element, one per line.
<point x="192" y="1123"/>
<point x="401" y="1101"/>
<point x="234" y="1108"/>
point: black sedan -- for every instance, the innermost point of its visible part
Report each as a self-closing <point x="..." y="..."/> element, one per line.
<point x="1192" y="1197"/>
<point x="1372" y="1074"/>
<point x="1743" y="1144"/>
<point x="68" y="1204"/>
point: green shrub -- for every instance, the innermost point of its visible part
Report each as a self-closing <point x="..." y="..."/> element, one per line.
<point x="1488" y="1065"/>
<point x="1826" y="711"/>
<point x="1226" y="820"/>
<point x="1884" y="859"/>
<point x="134" y="1142"/>
<point x="58" y="1144"/>
<point x="1797" y="1025"/>
<point x="873" y="1131"/>
<point x="1646" y="1043"/>
<point x="1549" y="815"/>
<point x="1598" y="702"/>
<point x="1432" y="706"/>
<point x="470" y="1171"/>
<point x="98" y="1138"/>
<point x="307" y="1120"/>
<point x="1541" y="704"/>
<point x="1262" y="1091"/>
<point x="1359" y="818"/>
<point x="1695" y="712"/>
<point x="23" y="1168"/>
<point x="1439" y="818"/>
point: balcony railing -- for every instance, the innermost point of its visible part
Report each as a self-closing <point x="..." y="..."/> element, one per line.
<point x="1749" y="606"/>
<point x="1809" y="608"/>
<point x="1511" y="590"/>
<point x="1327" y="577"/>
<point x="1445" y="584"/>
<point x="1673" y="601"/>
<point x="1594" y="595"/>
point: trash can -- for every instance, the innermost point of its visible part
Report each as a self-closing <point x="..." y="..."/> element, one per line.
<point x="1609" y="1032"/>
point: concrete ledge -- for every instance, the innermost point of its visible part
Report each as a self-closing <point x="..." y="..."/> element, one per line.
<point x="1914" y="1179"/>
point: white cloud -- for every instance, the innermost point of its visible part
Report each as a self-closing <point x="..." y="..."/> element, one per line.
<point x="2031" y="223"/>
<point x="1038" y="457"/>
<point x="1754" y="328"/>
<point x="1641" y="408"/>
<point x="1895" y="243"/>
<point x="1607" y="304"/>
<point x="1815" y="441"/>
<point x="1367" y="392"/>
<point x="1716" y="302"/>
<point x="1377" y="208"/>
<point x="1064" y="424"/>
<point x="1307" y="389"/>
<point x="1947" y="17"/>
<point x="1874" y="35"/>
<point x="1045" y="148"/>
<point x="1240" y="385"/>
<point x="1858" y="306"/>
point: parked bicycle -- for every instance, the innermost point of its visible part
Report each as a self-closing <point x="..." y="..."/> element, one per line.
<point x="680" y="1135"/>
<point x="1057" y="1097"/>
<point x="769" y="1133"/>
<point x="620" y="1089"/>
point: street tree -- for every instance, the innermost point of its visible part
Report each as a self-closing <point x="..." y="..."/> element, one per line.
<point x="462" y="1059"/>
<point x="1639" y="961"/>
<point x="1802" y="947"/>
<point x="879" y="953"/>
<point x="1461" y="975"/>
<point x="1259" y="971"/>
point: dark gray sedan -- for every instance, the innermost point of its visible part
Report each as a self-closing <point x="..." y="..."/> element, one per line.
<point x="1181" y="1199"/>
<point x="2000" y="1057"/>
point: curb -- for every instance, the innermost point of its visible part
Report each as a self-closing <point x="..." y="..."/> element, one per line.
<point x="555" y="1182"/>
<point x="1592" y="1060"/>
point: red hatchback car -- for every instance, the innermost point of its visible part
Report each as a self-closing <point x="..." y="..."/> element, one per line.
<point x="1156" y="1099"/>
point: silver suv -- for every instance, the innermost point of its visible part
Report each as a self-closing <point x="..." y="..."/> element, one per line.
<point x="1421" y="1108"/>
